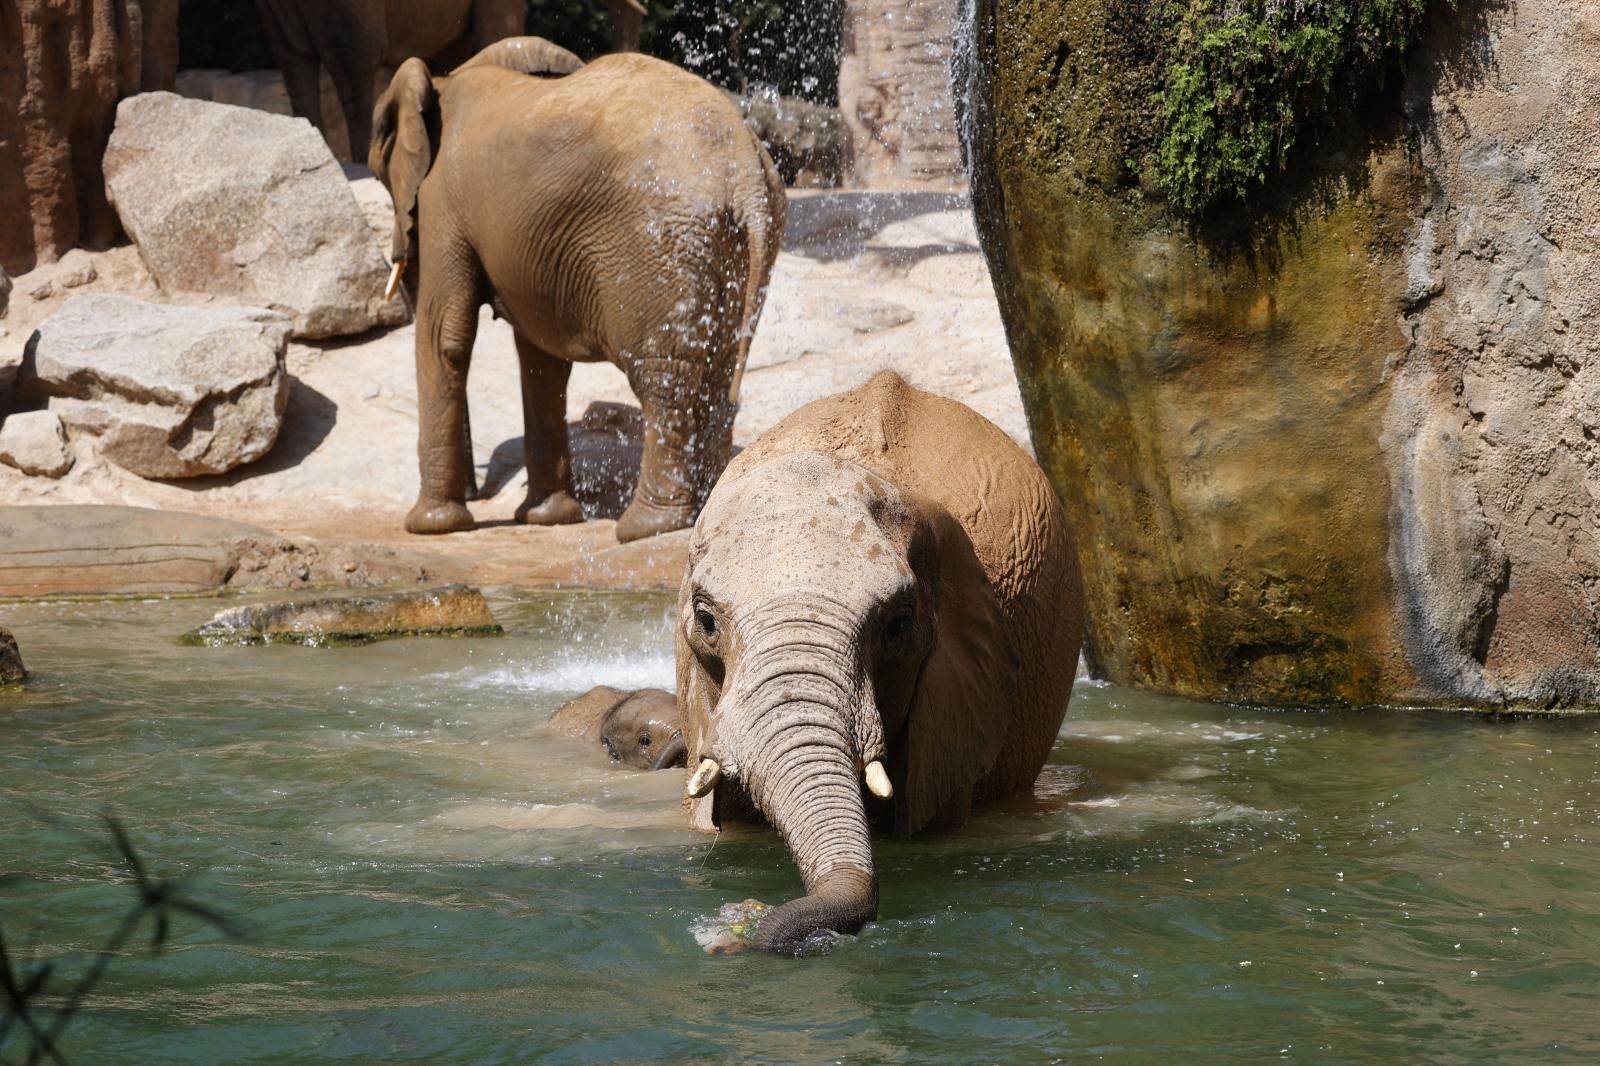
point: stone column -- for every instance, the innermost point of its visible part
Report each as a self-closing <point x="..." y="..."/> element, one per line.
<point x="894" y="94"/>
<point x="1340" y="444"/>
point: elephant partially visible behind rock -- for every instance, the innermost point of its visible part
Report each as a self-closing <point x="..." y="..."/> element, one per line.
<point x="357" y="40"/>
<point x="61" y="76"/>
<point x="642" y="729"/>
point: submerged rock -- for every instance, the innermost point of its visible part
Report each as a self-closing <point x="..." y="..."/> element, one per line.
<point x="451" y="611"/>
<point x="11" y="670"/>
<point x="249" y="206"/>
<point x="169" y="391"/>
<point x="1336" y="445"/>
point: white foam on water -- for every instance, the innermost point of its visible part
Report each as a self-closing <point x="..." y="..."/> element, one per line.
<point x="622" y="670"/>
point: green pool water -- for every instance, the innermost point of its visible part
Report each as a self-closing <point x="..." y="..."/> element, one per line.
<point x="428" y="877"/>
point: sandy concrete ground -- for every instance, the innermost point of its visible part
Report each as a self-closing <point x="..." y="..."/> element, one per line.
<point x="866" y="282"/>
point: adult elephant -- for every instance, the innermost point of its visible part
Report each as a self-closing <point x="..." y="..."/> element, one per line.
<point x="618" y="211"/>
<point x="356" y="39"/>
<point x="882" y="590"/>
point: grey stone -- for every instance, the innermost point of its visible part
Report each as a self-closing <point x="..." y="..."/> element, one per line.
<point x="35" y="443"/>
<point x="247" y="205"/>
<point x="11" y="670"/>
<point x="75" y="270"/>
<point x="169" y="391"/>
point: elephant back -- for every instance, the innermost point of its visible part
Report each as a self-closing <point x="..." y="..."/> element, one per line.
<point x="946" y="453"/>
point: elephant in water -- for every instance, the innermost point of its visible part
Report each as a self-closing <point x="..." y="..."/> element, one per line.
<point x="642" y="729"/>
<point x="618" y="211"/>
<point x="881" y="592"/>
<point x="355" y="40"/>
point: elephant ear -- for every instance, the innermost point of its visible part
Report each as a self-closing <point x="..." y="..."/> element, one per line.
<point x="404" y="142"/>
<point x="959" y="714"/>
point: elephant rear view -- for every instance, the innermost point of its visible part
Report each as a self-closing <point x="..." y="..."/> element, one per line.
<point x="618" y="211"/>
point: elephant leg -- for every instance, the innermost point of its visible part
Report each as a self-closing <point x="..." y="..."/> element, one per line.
<point x="447" y="326"/>
<point x="711" y="447"/>
<point x="544" y="439"/>
<point x="665" y="497"/>
<point x="354" y="87"/>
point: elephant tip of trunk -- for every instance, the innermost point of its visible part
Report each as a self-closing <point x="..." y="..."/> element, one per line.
<point x="815" y="920"/>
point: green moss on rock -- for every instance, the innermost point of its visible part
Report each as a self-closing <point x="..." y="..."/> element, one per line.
<point x="1245" y="81"/>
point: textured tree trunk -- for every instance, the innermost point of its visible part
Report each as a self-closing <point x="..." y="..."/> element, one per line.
<point x="894" y="94"/>
<point x="64" y="64"/>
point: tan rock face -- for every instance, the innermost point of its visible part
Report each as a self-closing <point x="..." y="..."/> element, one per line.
<point x="168" y="391"/>
<point x="894" y="94"/>
<point x="249" y="206"/>
<point x="61" y="74"/>
<point x="1343" y="451"/>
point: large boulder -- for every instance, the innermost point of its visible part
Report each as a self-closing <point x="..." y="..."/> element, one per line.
<point x="170" y="391"/>
<point x="34" y="443"/>
<point x="63" y="66"/>
<point x="1336" y="444"/>
<point x="249" y="206"/>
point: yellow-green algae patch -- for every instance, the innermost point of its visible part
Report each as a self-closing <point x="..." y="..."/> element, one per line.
<point x="452" y="611"/>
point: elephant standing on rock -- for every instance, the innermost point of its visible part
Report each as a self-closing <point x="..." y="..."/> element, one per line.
<point x="355" y="40"/>
<point x="641" y="729"/>
<point x="881" y="591"/>
<point x="618" y="211"/>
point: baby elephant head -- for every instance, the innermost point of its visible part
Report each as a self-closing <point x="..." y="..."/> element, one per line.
<point x="643" y="731"/>
<point x="841" y="656"/>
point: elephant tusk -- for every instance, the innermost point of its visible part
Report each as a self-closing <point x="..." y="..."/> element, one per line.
<point x="637" y="6"/>
<point x="705" y="778"/>
<point x="394" y="279"/>
<point x="878" y="781"/>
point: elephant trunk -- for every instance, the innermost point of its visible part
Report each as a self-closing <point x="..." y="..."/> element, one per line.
<point x="802" y="770"/>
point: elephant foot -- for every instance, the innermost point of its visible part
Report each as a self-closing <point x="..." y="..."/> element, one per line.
<point x="439" y="516"/>
<point x="642" y="520"/>
<point x="556" y="509"/>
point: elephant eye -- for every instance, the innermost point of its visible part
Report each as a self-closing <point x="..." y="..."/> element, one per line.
<point x="898" y="627"/>
<point x="644" y="740"/>
<point x="705" y="620"/>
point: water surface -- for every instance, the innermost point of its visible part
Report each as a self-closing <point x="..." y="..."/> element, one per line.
<point x="429" y="877"/>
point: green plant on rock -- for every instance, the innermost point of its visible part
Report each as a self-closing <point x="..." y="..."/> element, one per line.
<point x="1246" y="80"/>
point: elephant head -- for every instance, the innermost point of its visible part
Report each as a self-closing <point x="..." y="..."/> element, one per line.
<point x="837" y="631"/>
<point x="643" y="731"/>
<point x="406" y="127"/>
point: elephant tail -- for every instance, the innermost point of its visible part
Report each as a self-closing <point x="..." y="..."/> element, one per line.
<point x="761" y="219"/>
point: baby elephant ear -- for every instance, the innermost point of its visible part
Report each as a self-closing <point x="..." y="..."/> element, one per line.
<point x="960" y="713"/>
<point x="405" y="138"/>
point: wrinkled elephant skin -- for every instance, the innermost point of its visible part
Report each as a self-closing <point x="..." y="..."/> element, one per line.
<point x="642" y="729"/>
<point x="878" y="625"/>
<point x="618" y="211"/>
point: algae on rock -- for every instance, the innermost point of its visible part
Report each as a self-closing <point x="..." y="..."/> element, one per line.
<point x="1332" y="444"/>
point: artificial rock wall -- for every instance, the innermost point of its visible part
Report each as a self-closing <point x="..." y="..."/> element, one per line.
<point x="1339" y="445"/>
